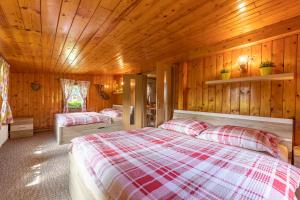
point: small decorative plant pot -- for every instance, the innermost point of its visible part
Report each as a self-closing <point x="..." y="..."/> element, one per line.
<point x="225" y="76"/>
<point x="265" y="71"/>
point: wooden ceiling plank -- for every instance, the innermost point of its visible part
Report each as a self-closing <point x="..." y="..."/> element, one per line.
<point x="50" y="11"/>
<point x="166" y="45"/>
<point x="83" y="16"/>
<point x="88" y="33"/>
<point x="114" y="19"/>
<point x="66" y="19"/>
<point x="14" y="19"/>
<point x="31" y="15"/>
<point x="101" y="47"/>
<point x="167" y="35"/>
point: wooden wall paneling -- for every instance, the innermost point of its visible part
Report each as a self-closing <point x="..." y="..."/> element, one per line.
<point x="20" y="93"/>
<point x="180" y="86"/>
<point x="30" y="79"/>
<point x="290" y="59"/>
<point x="212" y="88"/>
<point x="190" y="85"/>
<point x="265" y="108"/>
<point x="185" y="87"/>
<point x="264" y="98"/>
<point x="277" y="86"/>
<point x="117" y="99"/>
<point x="194" y="89"/>
<point x="51" y="100"/>
<point x="199" y="83"/>
<point x="44" y="103"/>
<point x="235" y="87"/>
<point x="164" y="104"/>
<point x="255" y="90"/>
<point x="245" y="86"/>
<point x="219" y="88"/>
<point x="41" y="107"/>
<point x="226" y="87"/>
<point x="176" y="85"/>
<point x="206" y="74"/>
<point x="297" y="111"/>
<point x="37" y="100"/>
<point x="27" y="88"/>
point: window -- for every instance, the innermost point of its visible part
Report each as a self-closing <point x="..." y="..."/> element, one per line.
<point x="74" y="95"/>
<point x="75" y="102"/>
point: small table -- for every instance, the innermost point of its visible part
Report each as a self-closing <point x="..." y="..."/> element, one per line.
<point x="22" y="127"/>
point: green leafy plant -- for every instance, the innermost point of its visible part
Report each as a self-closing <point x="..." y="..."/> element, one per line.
<point x="74" y="104"/>
<point x="266" y="64"/>
<point x="224" y="70"/>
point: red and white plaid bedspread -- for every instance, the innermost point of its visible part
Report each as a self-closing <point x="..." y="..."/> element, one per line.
<point x="80" y="118"/>
<point x="158" y="164"/>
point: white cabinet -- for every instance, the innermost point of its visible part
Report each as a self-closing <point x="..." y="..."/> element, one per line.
<point x="3" y="134"/>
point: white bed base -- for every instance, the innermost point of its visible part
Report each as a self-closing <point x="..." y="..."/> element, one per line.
<point x="66" y="134"/>
<point x="81" y="186"/>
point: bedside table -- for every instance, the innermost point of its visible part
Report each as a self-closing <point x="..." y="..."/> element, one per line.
<point x="22" y="127"/>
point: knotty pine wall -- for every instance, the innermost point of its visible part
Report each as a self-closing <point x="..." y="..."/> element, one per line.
<point x="266" y="98"/>
<point x="43" y="104"/>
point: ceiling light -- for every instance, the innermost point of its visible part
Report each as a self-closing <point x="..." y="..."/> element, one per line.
<point x="242" y="7"/>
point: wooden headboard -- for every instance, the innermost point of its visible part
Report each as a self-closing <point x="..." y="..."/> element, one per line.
<point x="120" y="107"/>
<point x="283" y="128"/>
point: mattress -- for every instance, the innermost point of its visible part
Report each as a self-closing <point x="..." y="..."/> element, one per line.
<point x="153" y="163"/>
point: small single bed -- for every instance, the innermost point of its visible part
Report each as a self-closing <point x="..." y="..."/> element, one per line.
<point x="70" y="125"/>
<point x="153" y="163"/>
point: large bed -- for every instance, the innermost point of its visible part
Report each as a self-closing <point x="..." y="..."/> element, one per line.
<point x="153" y="163"/>
<point x="70" y="125"/>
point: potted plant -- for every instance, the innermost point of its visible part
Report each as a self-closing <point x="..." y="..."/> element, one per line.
<point x="225" y="74"/>
<point x="266" y="68"/>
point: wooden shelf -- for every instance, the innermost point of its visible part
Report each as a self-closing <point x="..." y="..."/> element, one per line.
<point x="284" y="76"/>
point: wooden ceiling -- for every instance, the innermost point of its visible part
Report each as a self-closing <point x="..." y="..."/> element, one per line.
<point x="120" y="36"/>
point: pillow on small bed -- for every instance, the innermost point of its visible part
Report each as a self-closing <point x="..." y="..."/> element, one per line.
<point x="191" y="127"/>
<point x="247" y="138"/>
<point x="111" y="112"/>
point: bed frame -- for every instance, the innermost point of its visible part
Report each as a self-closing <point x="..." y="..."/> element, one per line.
<point x="65" y="134"/>
<point x="81" y="188"/>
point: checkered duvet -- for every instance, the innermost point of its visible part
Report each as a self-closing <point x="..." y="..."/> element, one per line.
<point x="153" y="163"/>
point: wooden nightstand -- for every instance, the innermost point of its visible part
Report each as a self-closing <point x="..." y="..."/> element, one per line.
<point x="22" y="127"/>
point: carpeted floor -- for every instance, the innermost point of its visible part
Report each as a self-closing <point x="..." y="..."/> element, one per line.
<point x="34" y="168"/>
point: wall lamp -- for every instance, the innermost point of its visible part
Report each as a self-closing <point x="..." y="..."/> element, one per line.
<point x="243" y="62"/>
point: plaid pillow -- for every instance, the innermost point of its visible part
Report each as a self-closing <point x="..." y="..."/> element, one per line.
<point x="248" y="138"/>
<point x="191" y="127"/>
<point x="111" y="112"/>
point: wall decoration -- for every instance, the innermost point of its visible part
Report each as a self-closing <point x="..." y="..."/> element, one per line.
<point x="101" y="92"/>
<point x="35" y="86"/>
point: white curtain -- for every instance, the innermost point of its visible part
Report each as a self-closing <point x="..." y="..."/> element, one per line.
<point x="84" y="90"/>
<point x="6" y="114"/>
<point x="67" y="87"/>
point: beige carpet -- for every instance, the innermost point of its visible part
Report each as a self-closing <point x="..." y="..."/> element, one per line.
<point x="34" y="168"/>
